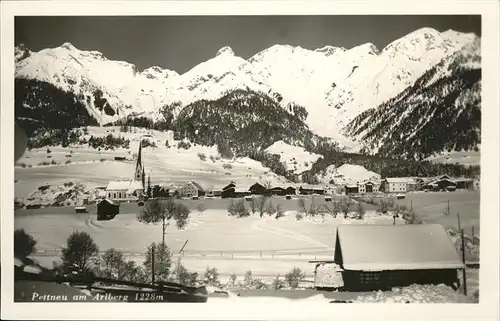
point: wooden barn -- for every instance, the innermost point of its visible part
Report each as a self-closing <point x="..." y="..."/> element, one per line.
<point x="107" y="209"/>
<point x="311" y="189"/>
<point x="277" y="190"/>
<point x="228" y="191"/>
<point x="257" y="189"/>
<point x="379" y="257"/>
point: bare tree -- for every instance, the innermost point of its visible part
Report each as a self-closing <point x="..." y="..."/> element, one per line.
<point x="360" y="211"/>
<point x="345" y="206"/>
<point x="156" y="211"/>
<point x="302" y="205"/>
<point x="261" y="205"/>
<point x="334" y="209"/>
<point x="253" y="205"/>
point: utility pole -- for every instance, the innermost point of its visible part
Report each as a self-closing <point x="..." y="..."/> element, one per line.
<point x="153" y="264"/>
<point x="458" y="220"/>
<point x="463" y="259"/>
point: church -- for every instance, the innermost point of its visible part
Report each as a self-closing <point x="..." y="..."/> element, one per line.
<point x="129" y="190"/>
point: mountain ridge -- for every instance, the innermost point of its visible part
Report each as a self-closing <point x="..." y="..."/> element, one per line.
<point x="330" y="82"/>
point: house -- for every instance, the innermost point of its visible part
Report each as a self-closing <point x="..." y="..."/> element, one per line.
<point x="411" y="185"/>
<point x="311" y="189"/>
<point x="228" y="191"/>
<point x="291" y="190"/>
<point x="107" y="209"/>
<point x="277" y="190"/>
<point x="257" y="189"/>
<point x="440" y="183"/>
<point x="351" y="189"/>
<point x="192" y="189"/>
<point x="241" y="192"/>
<point x="371" y="186"/>
<point x="394" y="185"/>
<point x="464" y="183"/>
<point x="379" y="257"/>
<point x="124" y="190"/>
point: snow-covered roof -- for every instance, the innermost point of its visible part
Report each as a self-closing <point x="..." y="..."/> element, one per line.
<point x="395" y="247"/>
<point x="307" y="186"/>
<point x="128" y="185"/>
<point x="397" y="180"/>
<point x="241" y="190"/>
<point x="197" y="186"/>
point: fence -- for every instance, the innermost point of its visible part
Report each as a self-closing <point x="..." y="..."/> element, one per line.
<point x="281" y="254"/>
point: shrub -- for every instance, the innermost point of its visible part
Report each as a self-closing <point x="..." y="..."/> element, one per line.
<point x="259" y="284"/>
<point x="302" y="205"/>
<point x="200" y="208"/>
<point x="49" y="151"/>
<point x="53" y="162"/>
<point x="167" y="144"/>
<point x="261" y="205"/>
<point x="102" y="160"/>
<point x="299" y="216"/>
<point x="227" y="166"/>
<point x="212" y="158"/>
<point x="211" y="276"/>
<point x="270" y="210"/>
<point x="67" y="162"/>
<point x="181" y="275"/>
<point x="248" y="279"/>
<point x="279" y="211"/>
<point x="24" y="244"/>
<point x="202" y="157"/>
<point x="147" y="143"/>
<point x="238" y="209"/>
<point x="360" y="211"/>
<point x="277" y="284"/>
<point x="294" y="277"/>
<point x="184" y="145"/>
<point x="385" y="205"/>
<point x="232" y="279"/>
<point x="345" y="206"/>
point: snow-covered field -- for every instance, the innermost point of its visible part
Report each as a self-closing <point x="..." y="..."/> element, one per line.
<point x="431" y="206"/>
<point x="264" y="245"/>
<point x="347" y="173"/>
<point x="465" y="158"/>
<point x="296" y="158"/>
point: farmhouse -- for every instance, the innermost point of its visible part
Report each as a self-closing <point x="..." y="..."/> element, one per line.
<point x="257" y="189"/>
<point x="291" y="190"/>
<point x="379" y="257"/>
<point x="124" y="190"/>
<point x="228" y="191"/>
<point x="107" y="209"/>
<point x="394" y="185"/>
<point x="371" y="186"/>
<point x="192" y="189"/>
<point x="277" y="190"/>
<point x="440" y="183"/>
<point x="351" y="189"/>
<point x="311" y="189"/>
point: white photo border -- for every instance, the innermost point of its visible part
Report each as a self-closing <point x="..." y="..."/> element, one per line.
<point x="486" y="309"/>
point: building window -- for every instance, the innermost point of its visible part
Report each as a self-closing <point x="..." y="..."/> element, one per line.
<point x="370" y="277"/>
<point x="114" y="195"/>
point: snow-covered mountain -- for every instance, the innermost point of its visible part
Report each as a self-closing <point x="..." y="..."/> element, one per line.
<point x="334" y="84"/>
<point x="441" y="111"/>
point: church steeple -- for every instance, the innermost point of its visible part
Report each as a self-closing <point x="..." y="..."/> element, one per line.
<point x="139" y="168"/>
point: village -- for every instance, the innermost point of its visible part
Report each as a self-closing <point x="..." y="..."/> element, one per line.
<point x="139" y="187"/>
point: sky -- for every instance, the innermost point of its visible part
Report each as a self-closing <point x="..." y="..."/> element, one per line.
<point x="181" y="42"/>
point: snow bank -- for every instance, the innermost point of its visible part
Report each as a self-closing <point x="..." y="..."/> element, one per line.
<point x="415" y="294"/>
